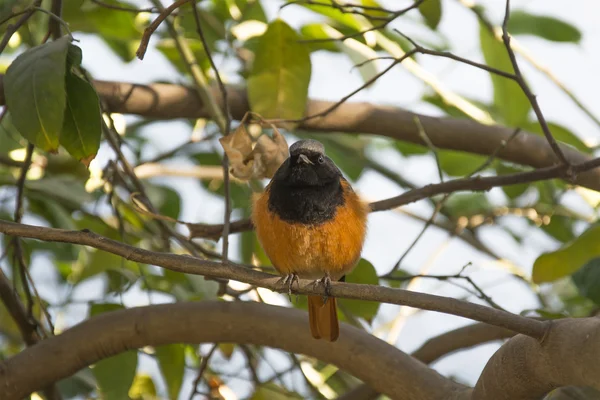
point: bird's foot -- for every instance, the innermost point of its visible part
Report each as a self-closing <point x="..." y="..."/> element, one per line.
<point x="326" y="282"/>
<point x="288" y="281"/>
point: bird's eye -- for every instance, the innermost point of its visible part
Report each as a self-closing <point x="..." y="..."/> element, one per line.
<point x="321" y="160"/>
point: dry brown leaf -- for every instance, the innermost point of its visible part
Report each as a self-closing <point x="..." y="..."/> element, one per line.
<point x="238" y="147"/>
<point x="269" y="153"/>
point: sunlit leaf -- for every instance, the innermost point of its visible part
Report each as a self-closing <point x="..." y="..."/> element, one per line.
<point x="171" y="361"/>
<point x="342" y="18"/>
<point x="34" y="87"/>
<point x="569" y="258"/>
<point x="549" y="28"/>
<point x="143" y="388"/>
<point x="509" y="99"/>
<point x="115" y="374"/>
<point x="364" y="273"/>
<point x="316" y="31"/>
<point x="278" y="83"/>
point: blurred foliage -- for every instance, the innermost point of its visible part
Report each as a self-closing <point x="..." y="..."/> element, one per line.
<point x="52" y="105"/>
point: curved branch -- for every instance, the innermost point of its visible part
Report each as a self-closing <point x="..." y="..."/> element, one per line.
<point x="370" y="359"/>
<point x="528" y="369"/>
<point x="438" y="347"/>
<point x="191" y="265"/>
<point x="459" y="339"/>
<point x="168" y="101"/>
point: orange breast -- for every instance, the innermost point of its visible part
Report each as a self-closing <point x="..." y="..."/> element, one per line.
<point x="311" y="250"/>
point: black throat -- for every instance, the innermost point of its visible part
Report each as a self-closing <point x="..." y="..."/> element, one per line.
<point x="306" y="204"/>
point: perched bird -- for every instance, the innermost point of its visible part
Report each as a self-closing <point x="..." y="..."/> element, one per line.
<point x="311" y="225"/>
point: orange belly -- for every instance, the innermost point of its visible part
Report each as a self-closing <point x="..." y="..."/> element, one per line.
<point x="312" y="250"/>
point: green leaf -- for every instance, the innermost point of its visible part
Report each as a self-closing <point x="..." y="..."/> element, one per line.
<point x="560" y="228"/>
<point x="549" y="28"/>
<point x="270" y="391"/>
<point x="166" y="199"/>
<point x="82" y="125"/>
<point x="143" y="388"/>
<point x="512" y="191"/>
<point x="364" y="273"/>
<point x="509" y="99"/>
<point x="431" y="10"/>
<point x="411" y="149"/>
<point x="115" y="374"/>
<point x="278" y="82"/>
<point x="342" y="18"/>
<point x="34" y="87"/>
<point x="559" y="133"/>
<point x="74" y="57"/>
<point x="569" y="258"/>
<point x="97" y="262"/>
<point x="171" y="361"/>
<point x="169" y="49"/>
<point x="314" y="31"/>
<point x="587" y="280"/>
<point x="467" y="204"/>
<point x="459" y="163"/>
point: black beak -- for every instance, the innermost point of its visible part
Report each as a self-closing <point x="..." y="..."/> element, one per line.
<point x="303" y="159"/>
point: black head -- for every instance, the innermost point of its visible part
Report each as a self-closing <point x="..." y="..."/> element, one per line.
<point x="308" y="166"/>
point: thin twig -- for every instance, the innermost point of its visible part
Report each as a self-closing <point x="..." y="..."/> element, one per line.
<point x="443" y="201"/>
<point x="386" y="22"/>
<point x="54" y="24"/>
<point x="521" y="50"/>
<point x="333" y="107"/>
<point x="201" y="369"/>
<point x="476" y="183"/>
<point x="11" y="29"/>
<point x="127" y="9"/>
<point x="141" y="51"/>
<point x="225" y="162"/>
<point x="527" y="91"/>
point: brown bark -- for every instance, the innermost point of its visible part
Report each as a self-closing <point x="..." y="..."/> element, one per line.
<point x="368" y="358"/>
<point x="168" y="101"/>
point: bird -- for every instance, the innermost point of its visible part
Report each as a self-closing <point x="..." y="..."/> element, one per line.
<point x="311" y="225"/>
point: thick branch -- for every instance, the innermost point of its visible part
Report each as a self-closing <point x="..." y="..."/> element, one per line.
<point x="191" y="265"/>
<point x="361" y="354"/>
<point x="526" y="369"/>
<point x="167" y="101"/>
<point x="438" y="347"/>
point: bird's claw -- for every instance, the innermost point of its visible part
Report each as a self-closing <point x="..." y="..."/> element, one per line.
<point x="288" y="281"/>
<point x="326" y="282"/>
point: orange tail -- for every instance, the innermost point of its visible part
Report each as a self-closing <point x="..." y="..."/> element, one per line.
<point x="323" y="318"/>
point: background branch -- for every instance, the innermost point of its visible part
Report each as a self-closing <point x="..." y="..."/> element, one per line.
<point x="167" y="101"/>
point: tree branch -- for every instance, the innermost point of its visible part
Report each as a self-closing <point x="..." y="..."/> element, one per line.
<point x="527" y="369"/>
<point x="195" y="266"/>
<point x="167" y="101"/>
<point x="523" y="369"/>
<point x="476" y="183"/>
<point x="361" y="354"/>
